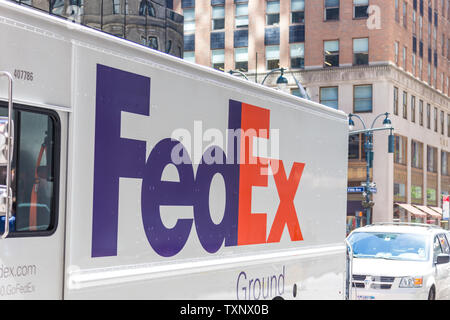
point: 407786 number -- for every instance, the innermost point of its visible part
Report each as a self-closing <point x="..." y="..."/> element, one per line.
<point x="23" y="75"/>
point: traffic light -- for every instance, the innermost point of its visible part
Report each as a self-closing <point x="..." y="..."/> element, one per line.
<point x="367" y="204"/>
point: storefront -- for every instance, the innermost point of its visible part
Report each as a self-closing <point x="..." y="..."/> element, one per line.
<point x="404" y="212"/>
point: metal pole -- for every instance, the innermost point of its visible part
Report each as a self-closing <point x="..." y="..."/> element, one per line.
<point x="9" y="153"/>
<point x="369" y="161"/>
<point x="256" y="69"/>
<point x="125" y="19"/>
<point x="101" y="17"/>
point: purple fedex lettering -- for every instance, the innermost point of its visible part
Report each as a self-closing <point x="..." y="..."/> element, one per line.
<point x="212" y="235"/>
<point x="166" y="242"/>
<point x="115" y="157"/>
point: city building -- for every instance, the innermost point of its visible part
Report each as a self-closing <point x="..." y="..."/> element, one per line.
<point x="365" y="57"/>
<point x="152" y="23"/>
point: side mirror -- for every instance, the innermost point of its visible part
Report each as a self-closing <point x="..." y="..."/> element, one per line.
<point x="442" y="258"/>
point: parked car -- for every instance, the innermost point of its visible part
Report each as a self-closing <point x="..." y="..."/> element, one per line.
<point x="400" y="261"/>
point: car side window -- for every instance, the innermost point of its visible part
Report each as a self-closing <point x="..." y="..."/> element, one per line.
<point x="444" y="244"/>
<point x="436" y="248"/>
<point x="447" y="236"/>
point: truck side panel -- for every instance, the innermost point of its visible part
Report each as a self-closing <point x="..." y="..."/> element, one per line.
<point x="113" y="230"/>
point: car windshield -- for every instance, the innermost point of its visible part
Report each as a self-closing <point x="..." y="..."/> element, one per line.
<point x="387" y="245"/>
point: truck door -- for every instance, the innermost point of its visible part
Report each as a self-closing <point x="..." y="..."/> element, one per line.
<point x="31" y="257"/>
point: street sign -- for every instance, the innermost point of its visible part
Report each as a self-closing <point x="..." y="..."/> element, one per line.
<point x="355" y="189"/>
<point x="360" y="189"/>
<point x="445" y="207"/>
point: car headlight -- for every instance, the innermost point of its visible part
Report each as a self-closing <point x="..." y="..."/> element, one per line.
<point x="411" y="282"/>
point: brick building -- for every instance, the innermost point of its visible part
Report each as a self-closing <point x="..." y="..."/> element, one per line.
<point x="361" y="56"/>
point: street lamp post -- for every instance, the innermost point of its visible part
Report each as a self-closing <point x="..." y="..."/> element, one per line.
<point x="282" y="82"/>
<point x="238" y="72"/>
<point x="368" y="146"/>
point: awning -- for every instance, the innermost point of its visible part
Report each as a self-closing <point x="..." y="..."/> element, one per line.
<point x="412" y="210"/>
<point x="437" y="209"/>
<point x="429" y="211"/>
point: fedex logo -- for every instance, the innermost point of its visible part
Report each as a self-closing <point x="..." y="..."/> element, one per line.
<point x="117" y="157"/>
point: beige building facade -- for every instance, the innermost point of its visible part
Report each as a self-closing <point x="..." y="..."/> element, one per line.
<point x="365" y="57"/>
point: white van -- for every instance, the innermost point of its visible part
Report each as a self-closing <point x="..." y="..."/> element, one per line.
<point x="400" y="261"/>
<point x="136" y="175"/>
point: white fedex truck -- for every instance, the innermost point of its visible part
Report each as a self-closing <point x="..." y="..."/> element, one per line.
<point x="131" y="174"/>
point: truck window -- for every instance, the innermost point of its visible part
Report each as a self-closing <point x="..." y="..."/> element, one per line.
<point x="33" y="171"/>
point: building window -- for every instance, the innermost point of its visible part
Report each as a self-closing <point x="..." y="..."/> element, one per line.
<point x="272" y="57"/>
<point x="405" y="105"/>
<point x="273" y="13"/>
<point x="218" y="17"/>
<point x="361" y="51"/>
<point x="448" y="125"/>
<point x="421" y="112"/>
<point x="189" y="20"/>
<point x="444" y="163"/>
<point x="400" y="149"/>
<point x="189" y="56"/>
<point x="360" y="9"/>
<point x="416" y="154"/>
<point x="152" y="42"/>
<point x="146" y="8"/>
<point x="416" y="194"/>
<point x="57" y="7"/>
<point x="442" y="122"/>
<point x="413" y="64"/>
<point x="405" y="13"/>
<point x="399" y="191"/>
<point x="217" y="40"/>
<point x="396" y="101"/>
<point x="331" y="53"/>
<point x="241" y="15"/>
<point x="428" y="116"/>
<point x="297" y="11"/>
<point x="413" y="109"/>
<point x="443" y="44"/>
<point x="429" y="74"/>
<point x="397" y="16"/>
<point x="435" y="77"/>
<point x="356" y="147"/>
<point x="420" y="68"/>
<point x="218" y="59"/>
<point x="435" y="116"/>
<point x="331" y="10"/>
<point x="362" y="98"/>
<point x="431" y="159"/>
<point x="116" y="6"/>
<point x="297" y="51"/>
<point x="396" y="46"/>
<point x="404" y="58"/>
<point x="296" y="92"/>
<point x="240" y="38"/>
<point x="420" y="27"/>
<point x="241" y="59"/>
<point x="414" y="17"/>
<point x="329" y="97"/>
